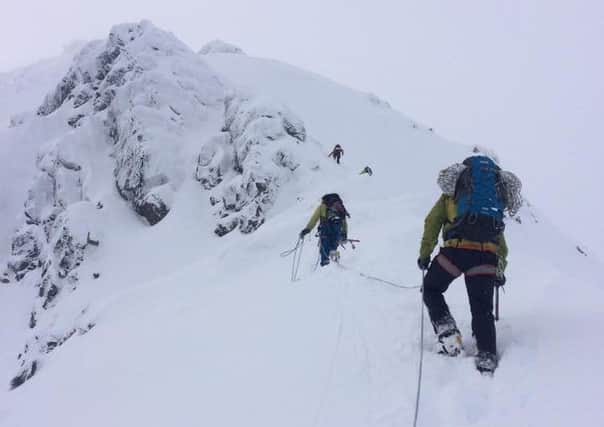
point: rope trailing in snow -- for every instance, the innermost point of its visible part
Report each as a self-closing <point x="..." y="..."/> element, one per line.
<point x="330" y="373"/>
<point x="297" y="251"/>
<point x="378" y="279"/>
<point x="387" y="282"/>
<point x="421" y="352"/>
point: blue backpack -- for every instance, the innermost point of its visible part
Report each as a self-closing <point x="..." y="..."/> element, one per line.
<point x="480" y="202"/>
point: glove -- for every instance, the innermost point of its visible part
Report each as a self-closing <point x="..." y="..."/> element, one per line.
<point x="304" y="232"/>
<point x="423" y="263"/>
<point x="499" y="275"/>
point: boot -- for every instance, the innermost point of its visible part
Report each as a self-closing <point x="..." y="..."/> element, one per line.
<point x="334" y="255"/>
<point x="486" y="362"/>
<point x="449" y="337"/>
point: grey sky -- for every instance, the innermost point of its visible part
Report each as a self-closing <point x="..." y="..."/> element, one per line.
<point x="525" y="77"/>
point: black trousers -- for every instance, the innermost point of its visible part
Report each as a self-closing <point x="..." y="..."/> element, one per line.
<point x="478" y="269"/>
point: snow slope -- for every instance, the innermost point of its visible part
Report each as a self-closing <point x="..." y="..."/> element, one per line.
<point x="23" y="89"/>
<point x="21" y="92"/>
<point x="194" y="329"/>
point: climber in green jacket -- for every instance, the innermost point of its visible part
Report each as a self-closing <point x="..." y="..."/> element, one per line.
<point x="470" y="214"/>
<point x="333" y="228"/>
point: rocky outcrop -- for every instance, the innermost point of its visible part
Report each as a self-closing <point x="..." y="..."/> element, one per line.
<point x="247" y="164"/>
<point x="50" y="246"/>
<point x="126" y="104"/>
<point x="149" y="88"/>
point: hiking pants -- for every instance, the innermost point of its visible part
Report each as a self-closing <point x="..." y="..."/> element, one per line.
<point x="337" y="157"/>
<point x="479" y="271"/>
<point x="329" y="238"/>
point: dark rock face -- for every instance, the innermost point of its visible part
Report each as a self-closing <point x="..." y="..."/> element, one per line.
<point x="24" y="375"/>
<point x="152" y="208"/>
<point x="245" y="165"/>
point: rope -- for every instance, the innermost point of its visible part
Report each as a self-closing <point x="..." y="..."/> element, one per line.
<point x="332" y="365"/>
<point x="387" y="282"/>
<point x="296" y="261"/>
<point x="332" y="368"/>
<point x="378" y="279"/>
<point x="297" y="251"/>
<point x="421" y="353"/>
<point x="292" y="250"/>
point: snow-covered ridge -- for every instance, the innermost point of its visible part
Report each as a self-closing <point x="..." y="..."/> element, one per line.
<point x="22" y="90"/>
<point x="219" y="46"/>
<point x="140" y="113"/>
<point x="129" y="324"/>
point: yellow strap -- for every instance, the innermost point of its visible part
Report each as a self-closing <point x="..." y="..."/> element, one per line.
<point x="469" y="244"/>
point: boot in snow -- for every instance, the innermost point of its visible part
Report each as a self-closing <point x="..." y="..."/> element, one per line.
<point x="449" y="338"/>
<point x="334" y="255"/>
<point x="449" y="342"/>
<point x="486" y="362"/>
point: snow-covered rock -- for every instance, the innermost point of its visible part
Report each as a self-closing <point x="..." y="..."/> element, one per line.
<point x="219" y="46"/>
<point x="130" y="105"/>
<point x="151" y="90"/>
<point x="248" y="163"/>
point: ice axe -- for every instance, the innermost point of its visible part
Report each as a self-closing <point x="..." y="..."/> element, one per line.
<point x="351" y="241"/>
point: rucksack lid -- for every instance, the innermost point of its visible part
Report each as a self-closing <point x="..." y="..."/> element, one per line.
<point x="333" y="201"/>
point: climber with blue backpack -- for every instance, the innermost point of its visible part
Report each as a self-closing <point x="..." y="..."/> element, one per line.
<point x="470" y="213"/>
<point x="333" y="228"/>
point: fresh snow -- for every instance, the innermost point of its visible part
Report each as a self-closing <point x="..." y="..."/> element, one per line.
<point x="194" y="329"/>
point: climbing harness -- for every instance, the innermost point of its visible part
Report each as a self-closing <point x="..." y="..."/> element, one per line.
<point x="421" y="352"/>
<point x="297" y="251"/>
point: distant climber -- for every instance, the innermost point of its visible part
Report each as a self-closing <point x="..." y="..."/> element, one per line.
<point x="337" y="152"/>
<point x="470" y="214"/>
<point x="366" y="170"/>
<point x="333" y="229"/>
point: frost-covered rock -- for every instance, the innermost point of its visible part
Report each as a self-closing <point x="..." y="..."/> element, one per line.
<point x="127" y="108"/>
<point x="52" y="243"/>
<point x="150" y="89"/>
<point x="246" y="165"/>
<point x="219" y="46"/>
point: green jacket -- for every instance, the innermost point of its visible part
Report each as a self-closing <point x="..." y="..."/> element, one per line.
<point x="320" y="214"/>
<point x="441" y="216"/>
